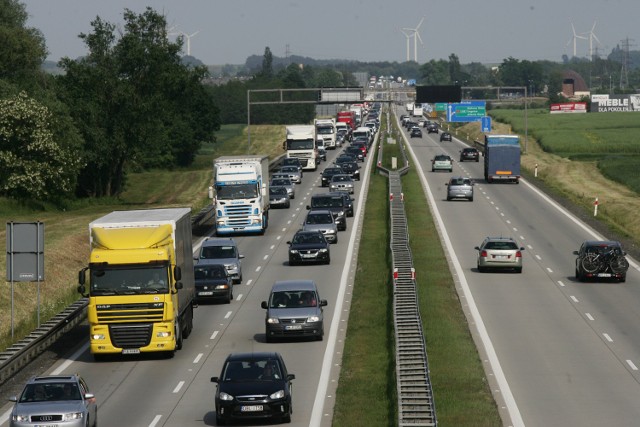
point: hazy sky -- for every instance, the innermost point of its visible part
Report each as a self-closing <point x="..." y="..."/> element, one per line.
<point x="486" y="31"/>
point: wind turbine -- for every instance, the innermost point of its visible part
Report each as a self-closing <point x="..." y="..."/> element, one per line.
<point x="592" y="37"/>
<point x="416" y="37"/>
<point x="408" y="36"/>
<point x="574" y="39"/>
<point x="188" y="37"/>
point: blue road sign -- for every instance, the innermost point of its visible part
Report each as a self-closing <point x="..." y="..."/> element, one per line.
<point x="486" y="124"/>
<point x="466" y="111"/>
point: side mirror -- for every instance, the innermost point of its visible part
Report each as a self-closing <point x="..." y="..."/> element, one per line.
<point x="214" y="379"/>
<point x="576" y="253"/>
<point x="264" y="305"/>
<point x="179" y="285"/>
<point x="291" y="377"/>
<point x="308" y="207"/>
<point x="81" y="276"/>
<point x="82" y="291"/>
<point x="241" y="256"/>
<point x="323" y="303"/>
<point x="177" y="273"/>
<point x="477" y="248"/>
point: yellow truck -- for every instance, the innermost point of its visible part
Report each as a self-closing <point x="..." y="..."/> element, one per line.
<point x="141" y="287"/>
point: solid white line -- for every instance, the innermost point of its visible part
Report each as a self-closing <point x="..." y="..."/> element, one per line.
<point x="505" y="390"/>
<point x="327" y="360"/>
<point x="178" y="387"/>
<point x="198" y="357"/>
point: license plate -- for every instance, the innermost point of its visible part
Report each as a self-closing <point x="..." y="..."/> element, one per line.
<point x="308" y="255"/>
<point x="293" y="327"/>
<point x="604" y="274"/>
<point x="46" y="425"/>
<point x="131" y="351"/>
<point x="501" y="256"/>
<point x="205" y="293"/>
<point x="251" y="408"/>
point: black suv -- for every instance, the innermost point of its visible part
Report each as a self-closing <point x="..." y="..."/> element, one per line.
<point x="352" y="169"/>
<point x="334" y="202"/>
<point x="601" y="259"/>
<point x="469" y="153"/>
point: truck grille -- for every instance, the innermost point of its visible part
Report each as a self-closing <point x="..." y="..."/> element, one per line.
<point x="130" y="336"/>
<point x="237" y="215"/>
<point x="130" y="313"/>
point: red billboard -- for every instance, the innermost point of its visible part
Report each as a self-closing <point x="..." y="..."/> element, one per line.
<point x="569" y="107"/>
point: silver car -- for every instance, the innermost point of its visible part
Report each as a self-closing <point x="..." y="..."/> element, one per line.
<point x="294" y="309"/>
<point x="279" y="197"/>
<point x="342" y="182"/>
<point x="55" y="400"/>
<point x="292" y="171"/>
<point x="322" y="220"/>
<point x="499" y="253"/>
<point x="281" y="180"/>
<point x="459" y="187"/>
<point x="222" y="250"/>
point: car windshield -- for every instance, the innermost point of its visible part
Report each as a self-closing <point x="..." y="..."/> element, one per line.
<point x="341" y="178"/>
<point x="281" y="181"/>
<point x="210" y="272"/>
<point x="50" y="391"/>
<point x="289" y="169"/>
<point x="217" y="252"/>
<point x="293" y="299"/>
<point x="305" y="238"/>
<point x="252" y="370"/>
<point x="442" y="158"/>
<point x="319" y="219"/>
<point x="277" y="191"/>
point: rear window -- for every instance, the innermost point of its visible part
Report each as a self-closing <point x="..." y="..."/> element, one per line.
<point x="501" y="245"/>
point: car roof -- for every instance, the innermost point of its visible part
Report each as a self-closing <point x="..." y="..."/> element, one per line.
<point x="602" y="243"/>
<point x="319" y="211"/>
<point x="219" y="241"/>
<point x="294" y="285"/>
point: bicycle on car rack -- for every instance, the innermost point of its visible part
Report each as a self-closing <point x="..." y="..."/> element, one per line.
<point x="595" y="262"/>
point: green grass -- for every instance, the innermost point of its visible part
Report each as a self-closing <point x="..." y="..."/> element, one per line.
<point x="462" y="396"/>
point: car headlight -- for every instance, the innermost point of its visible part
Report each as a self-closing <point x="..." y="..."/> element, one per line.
<point x="225" y="396"/>
<point x="20" y="418"/>
<point x="97" y="336"/>
<point x="341" y="213"/>
<point x="293" y="251"/>
<point x="225" y="286"/>
<point x="272" y="320"/>
<point x="277" y="395"/>
<point x="323" y="250"/>
<point x="313" y="319"/>
<point x="72" y="416"/>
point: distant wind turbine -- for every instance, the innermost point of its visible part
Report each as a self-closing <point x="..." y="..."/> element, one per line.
<point x="416" y="37"/>
<point x="592" y="37"/>
<point x="574" y="40"/>
<point x="188" y="37"/>
<point x="408" y="36"/>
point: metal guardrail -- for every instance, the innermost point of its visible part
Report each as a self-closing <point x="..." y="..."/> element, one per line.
<point x="416" y="406"/>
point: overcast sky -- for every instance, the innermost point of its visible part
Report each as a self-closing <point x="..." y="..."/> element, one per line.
<point x="486" y="31"/>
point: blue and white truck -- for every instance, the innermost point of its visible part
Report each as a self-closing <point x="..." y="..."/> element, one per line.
<point x="502" y="158"/>
<point x="241" y="194"/>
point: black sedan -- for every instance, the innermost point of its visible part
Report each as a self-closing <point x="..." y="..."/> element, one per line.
<point x="415" y="131"/>
<point x="253" y="386"/>
<point x="470" y="153"/>
<point x="445" y="136"/>
<point x="213" y="283"/>
<point x="351" y="168"/>
<point x="308" y="246"/>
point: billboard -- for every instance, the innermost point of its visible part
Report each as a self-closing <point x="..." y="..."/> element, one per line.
<point x="569" y="107"/>
<point x="614" y="103"/>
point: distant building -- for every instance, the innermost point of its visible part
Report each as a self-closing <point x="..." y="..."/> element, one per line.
<point x="573" y="85"/>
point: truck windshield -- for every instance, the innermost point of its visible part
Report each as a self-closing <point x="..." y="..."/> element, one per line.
<point x="238" y="191"/>
<point x="325" y="130"/>
<point x="129" y="280"/>
<point x="300" y="144"/>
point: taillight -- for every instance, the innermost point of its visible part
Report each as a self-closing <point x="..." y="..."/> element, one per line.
<point x="518" y="254"/>
<point x="483" y="254"/>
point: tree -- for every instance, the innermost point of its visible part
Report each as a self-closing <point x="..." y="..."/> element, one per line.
<point x="267" y="63"/>
<point x="22" y="49"/>
<point x="135" y="103"/>
<point x="33" y="165"/>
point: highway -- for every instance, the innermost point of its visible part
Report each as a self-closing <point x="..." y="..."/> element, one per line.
<point x="153" y="391"/>
<point x="557" y="351"/>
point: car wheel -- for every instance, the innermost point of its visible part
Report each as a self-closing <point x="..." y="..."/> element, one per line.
<point x="328" y="261"/>
<point x="448" y="198"/>
<point x="336" y="240"/>
<point x="229" y="297"/>
<point x="477" y="160"/>
<point x="220" y="421"/>
<point x="292" y="263"/>
<point x="451" y="170"/>
<point x="623" y="278"/>
<point x="268" y="338"/>
<point x="481" y="269"/>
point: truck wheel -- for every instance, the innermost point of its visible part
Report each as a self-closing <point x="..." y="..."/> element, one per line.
<point x="189" y="322"/>
<point x="178" y="332"/>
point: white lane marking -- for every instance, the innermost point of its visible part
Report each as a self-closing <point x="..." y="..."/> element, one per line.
<point x="70" y="360"/>
<point x="538" y="257"/>
<point x="574" y="298"/>
<point x="198" y="357"/>
<point x="560" y="283"/>
<point x="249" y="282"/>
<point x="549" y="270"/>
<point x="226" y="316"/>
<point x="529" y="246"/>
<point x="239" y="297"/>
<point x="631" y="365"/>
<point x="259" y="268"/>
<point x="265" y="257"/>
<point x="607" y="337"/>
<point x="589" y="316"/>
<point x="284" y="229"/>
<point x="178" y="387"/>
<point x="155" y="421"/>
<point x="272" y="246"/>
<point x="213" y="335"/>
<point x="279" y="237"/>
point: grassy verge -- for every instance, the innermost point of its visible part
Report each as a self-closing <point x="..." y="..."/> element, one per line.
<point x="461" y="392"/>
